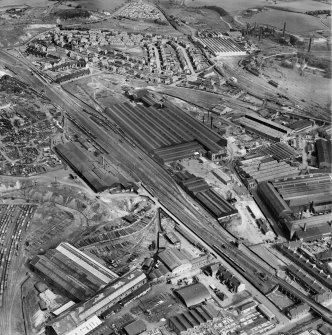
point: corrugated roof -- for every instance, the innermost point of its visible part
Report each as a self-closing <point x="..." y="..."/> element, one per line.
<point x="193" y="294"/>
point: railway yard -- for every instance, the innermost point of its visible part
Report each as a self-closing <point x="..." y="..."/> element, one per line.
<point x="162" y="183"/>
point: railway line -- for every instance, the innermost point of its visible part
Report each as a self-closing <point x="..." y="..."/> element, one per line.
<point x="137" y="163"/>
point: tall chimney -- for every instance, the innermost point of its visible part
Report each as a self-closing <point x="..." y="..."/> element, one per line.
<point x="284" y="30"/>
<point x="309" y="47"/>
<point x="211" y="122"/>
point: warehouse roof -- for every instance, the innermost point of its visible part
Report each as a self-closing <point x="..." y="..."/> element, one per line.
<point x="316" y="233"/>
<point x="193" y="294"/>
<point x="279" y="151"/>
<point x="173" y="258"/>
<point x="82" y="311"/>
<point x="89" y="169"/>
<point x="135" y="327"/>
<point x="179" y="151"/>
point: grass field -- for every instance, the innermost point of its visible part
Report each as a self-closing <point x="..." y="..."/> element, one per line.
<point x="295" y="22"/>
<point x="237" y="5"/>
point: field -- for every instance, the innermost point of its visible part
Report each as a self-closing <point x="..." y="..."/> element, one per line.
<point x="295" y="22"/>
<point x="233" y="6"/>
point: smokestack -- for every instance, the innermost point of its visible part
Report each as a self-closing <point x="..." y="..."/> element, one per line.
<point x="203" y="119"/>
<point x="309" y="47"/>
<point x="284" y="30"/>
<point x="211" y="121"/>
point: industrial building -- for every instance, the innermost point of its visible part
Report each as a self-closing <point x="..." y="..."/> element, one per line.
<point x="97" y="304"/>
<point x="92" y="172"/>
<point x="194" y="294"/>
<point x="72" y="271"/>
<point x="304" y="192"/>
<point x="166" y="127"/>
<point x="193" y="320"/>
<point x="324" y="153"/>
<point x="135" y="328"/>
<point x="222" y="46"/>
<point x="314" y="234"/>
<point x="264" y="127"/>
<point x="288" y="196"/>
<point x="279" y="151"/>
<point x="272" y="199"/>
<point x="301" y="125"/>
<point x="263" y="168"/>
<point x="180" y="151"/>
<point x="311" y="228"/>
<point x="178" y="261"/>
<point x="212" y="201"/>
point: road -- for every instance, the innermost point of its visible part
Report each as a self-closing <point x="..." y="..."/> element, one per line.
<point x="141" y="166"/>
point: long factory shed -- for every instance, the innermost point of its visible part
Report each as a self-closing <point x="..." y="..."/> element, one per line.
<point x="169" y="126"/>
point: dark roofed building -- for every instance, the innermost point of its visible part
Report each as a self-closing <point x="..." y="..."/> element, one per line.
<point x="194" y="294"/>
<point x="135" y="328"/>
<point x="92" y="172"/>
<point x="272" y="199"/>
<point x="324" y="153"/>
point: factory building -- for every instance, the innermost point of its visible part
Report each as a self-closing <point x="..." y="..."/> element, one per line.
<point x="109" y="296"/>
<point x="135" y="328"/>
<point x="193" y="295"/>
<point x="311" y="228"/>
<point x="287" y="196"/>
<point x="179" y="262"/>
<point x="193" y="320"/>
<point x="272" y="199"/>
<point x="301" y="125"/>
<point x="72" y="271"/>
<point x="212" y="201"/>
<point x="279" y="151"/>
<point x="264" y="127"/>
<point x="222" y="46"/>
<point x="167" y="127"/>
<point x="265" y="168"/>
<point x="315" y="233"/>
<point x="92" y="172"/>
<point x="303" y="192"/>
<point x="324" y="153"/>
<point x="180" y="151"/>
